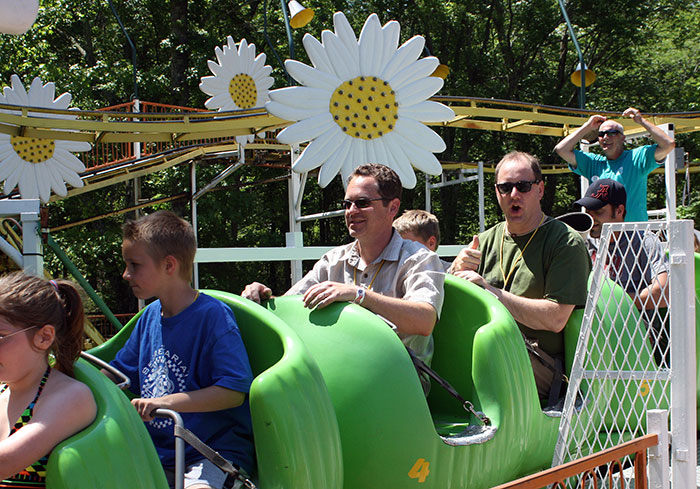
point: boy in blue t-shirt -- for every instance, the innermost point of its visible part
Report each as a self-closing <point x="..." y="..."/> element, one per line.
<point x="185" y="352"/>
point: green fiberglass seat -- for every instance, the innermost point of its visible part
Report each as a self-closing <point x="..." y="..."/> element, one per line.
<point x="296" y="433"/>
<point x="391" y="436"/>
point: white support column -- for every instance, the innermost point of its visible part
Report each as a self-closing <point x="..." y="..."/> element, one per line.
<point x="482" y="214"/>
<point x="33" y="257"/>
<point x="670" y="174"/>
<point x="193" y="210"/>
<point x="428" y="197"/>
<point x="657" y="423"/>
<point x="294" y="238"/>
<point x="683" y="375"/>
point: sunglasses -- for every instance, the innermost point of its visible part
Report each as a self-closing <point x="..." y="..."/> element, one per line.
<point x="609" y="132"/>
<point x="4" y="337"/>
<point x="523" y="186"/>
<point x="361" y="203"/>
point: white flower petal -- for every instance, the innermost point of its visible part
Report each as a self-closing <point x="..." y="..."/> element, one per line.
<point x="13" y="178"/>
<point x="211" y="85"/>
<point x="220" y="58"/>
<point x="57" y="184"/>
<point x="407" y="53"/>
<point x="380" y="152"/>
<point x="9" y="165"/>
<point x="27" y="184"/>
<point x="68" y="160"/>
<point x="310" y="77"/>
<point x="306" y="130"/>
<point x="302" y="97"/>
<point x="391" y="31"/>
<point x="349" y="163"/>
<point x="399" y="162"/>
<point x="413" y="72"/>
<point x="318" y="151"/>
<point x="421" y="158"/>
<point x="290" y="113"/>
<point x="73" y="146"/>
<point x="63" y="101"/>
<point x="334" y="163"/>
<point x="370" y="41"/>
<point x="258" y="64"/>
<point x="339" y="56"/>
<point x="317" y="54"/>
<point x="418" y="91"/>
<point x="214" y="67"/>
<point x="421" y="134"/>
<point x="68" y="174"/>
<point x="218" y="101"/>
<point x="427" y="111"/>
<point x="344" y="31"/>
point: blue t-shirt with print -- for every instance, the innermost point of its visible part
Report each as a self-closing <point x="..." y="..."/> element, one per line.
<point x="199" y="347"/>
<point x="631" y="169"/>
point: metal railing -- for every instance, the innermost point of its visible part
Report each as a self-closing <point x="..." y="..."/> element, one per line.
<point x="584" y="469"/>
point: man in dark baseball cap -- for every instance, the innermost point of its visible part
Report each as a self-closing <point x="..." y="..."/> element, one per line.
<point x="601" y="192"/>
<point x="605" y="201"/>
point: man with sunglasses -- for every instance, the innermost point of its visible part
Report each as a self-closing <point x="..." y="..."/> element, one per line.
<point x="535" y="265"/>
<point x="629" y="167"/>
<point x="401" y="280"/>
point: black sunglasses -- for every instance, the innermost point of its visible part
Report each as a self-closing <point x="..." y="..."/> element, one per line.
<point x="523" y="186"/>
<point x="609" y="132"/>
<point x="361" y="203"/>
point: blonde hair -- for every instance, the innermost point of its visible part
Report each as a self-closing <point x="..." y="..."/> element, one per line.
<point x="26" y="301"/>
<point x="165" y="234"/>
<point x="419" y="222"/>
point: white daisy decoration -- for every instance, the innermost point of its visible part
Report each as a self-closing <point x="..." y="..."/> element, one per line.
<point x="241" y="80"/>
<point x="38" y="165"/>
<point x="363" y="101"/>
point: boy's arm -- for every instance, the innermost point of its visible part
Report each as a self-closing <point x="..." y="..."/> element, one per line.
<point x="212" y="398"/>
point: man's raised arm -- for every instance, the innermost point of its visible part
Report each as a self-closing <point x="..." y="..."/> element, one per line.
<point x="664" y="142"/>
<point x="565" y="148"/>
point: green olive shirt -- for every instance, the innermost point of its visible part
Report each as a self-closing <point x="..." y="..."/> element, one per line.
<point x="555" y="266"/>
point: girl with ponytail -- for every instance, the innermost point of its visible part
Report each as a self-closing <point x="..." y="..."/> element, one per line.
<point x="40" y="404"/>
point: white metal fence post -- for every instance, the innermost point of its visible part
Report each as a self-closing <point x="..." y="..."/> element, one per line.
<point x="657" y="423"/>
<point x="682" y="303"/>
<point x="670" y="174"/>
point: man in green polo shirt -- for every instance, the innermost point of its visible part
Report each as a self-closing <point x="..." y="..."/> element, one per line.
<point x="535" y="265"/>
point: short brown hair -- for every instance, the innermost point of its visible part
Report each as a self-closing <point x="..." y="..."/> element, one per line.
<point x="27" y="300"/>
<point x="388" y="181"/>
<point x="164" y="234"/>
<point x="419" y="222"/>
<point x="524" y="157"/>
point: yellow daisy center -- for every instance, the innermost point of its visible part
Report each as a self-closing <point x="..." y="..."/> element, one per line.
<point x="33" y="150"/>
<point x="365" y="107"/>
<point x="243" y="91"/>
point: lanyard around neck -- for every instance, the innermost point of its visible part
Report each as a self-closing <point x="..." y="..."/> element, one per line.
<point x="354" y="275"/>
<point x="506" y="278"/>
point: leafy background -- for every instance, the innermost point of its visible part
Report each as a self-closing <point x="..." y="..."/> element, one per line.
<point x="645" y="54"/>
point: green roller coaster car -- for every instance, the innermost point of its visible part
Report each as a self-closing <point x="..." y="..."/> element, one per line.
<point x="336" y="402"/>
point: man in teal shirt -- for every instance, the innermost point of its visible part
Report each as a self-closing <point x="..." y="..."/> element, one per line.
<point x="629" y="167"/>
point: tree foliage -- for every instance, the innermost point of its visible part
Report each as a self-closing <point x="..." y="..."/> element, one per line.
<point x="644" y="53"/>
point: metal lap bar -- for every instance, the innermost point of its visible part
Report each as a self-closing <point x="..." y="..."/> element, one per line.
<point x="179" y="445"/>
<point x="124" y="383"/>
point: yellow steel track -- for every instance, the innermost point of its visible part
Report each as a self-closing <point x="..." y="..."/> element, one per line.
<point x="178" y="128"/>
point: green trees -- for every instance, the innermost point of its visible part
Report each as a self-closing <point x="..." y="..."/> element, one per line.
<point x="644" y="53"/>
